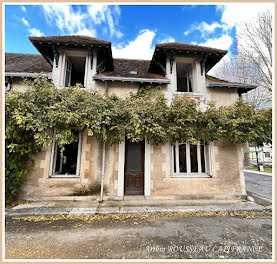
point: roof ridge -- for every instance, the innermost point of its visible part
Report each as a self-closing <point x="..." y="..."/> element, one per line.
<point x="19" y="53"/>
<point x="192" y="45"/>
<point x="66" y="36"/>
<point x="131" y="59"/>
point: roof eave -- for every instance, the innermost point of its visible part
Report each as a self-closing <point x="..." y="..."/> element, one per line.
<point x="28" y="74"/>
<point x="131" y="79"/>
<point x="218" y="56"/>
<point x="232" y="85"/>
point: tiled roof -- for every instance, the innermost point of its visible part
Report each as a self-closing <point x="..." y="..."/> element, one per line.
<point x="73" y="39"/>
<point x="131" y="68"/>
<point x="46" y="46"/>
<point x="31" y="63"/>
<point x="216" y="82"/>
<point x="125" y="68"/>
<point x="176" y="46"/>
<point x="213" y="79"/>
<point x="210" y="56"/>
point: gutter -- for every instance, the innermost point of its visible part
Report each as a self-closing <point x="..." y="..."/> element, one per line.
<point x="130" y="79"/>
<point x="231" y="85"/>
<point x="28" y="74"/>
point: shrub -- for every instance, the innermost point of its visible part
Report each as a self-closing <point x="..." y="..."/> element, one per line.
<point x="85" y="190"/>
<point x="144" y="115"/>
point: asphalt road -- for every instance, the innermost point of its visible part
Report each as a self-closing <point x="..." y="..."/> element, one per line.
<point x="164" y="237"/>
<point x="259" y="184"/>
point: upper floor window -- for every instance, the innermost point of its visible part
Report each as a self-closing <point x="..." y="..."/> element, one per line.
<point x="184" y="77"/>
<point x="75" y="71"/>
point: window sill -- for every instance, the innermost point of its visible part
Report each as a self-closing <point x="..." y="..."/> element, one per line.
<point x="63" y="179"/>
<point x="64" y="176"/>
<point x="190" y="94"/>
<point x="190" y="175"/>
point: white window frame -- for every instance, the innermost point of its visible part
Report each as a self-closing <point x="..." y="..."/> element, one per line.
<point x="54" y="150"/>
<point x="207" y="156"/>
<point x="75" y="53"/>
<point x="189" y="76"/>
<point x="68" y="68"/>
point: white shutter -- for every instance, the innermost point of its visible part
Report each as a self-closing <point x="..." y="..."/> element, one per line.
<point x="209" y="149"/>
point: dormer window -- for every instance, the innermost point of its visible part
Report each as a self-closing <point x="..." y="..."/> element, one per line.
<point x="75" y="71"/>
<point x="184" y="77"/>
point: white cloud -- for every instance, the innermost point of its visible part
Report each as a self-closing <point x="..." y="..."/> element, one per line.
<point x="23" y="8"/>
<point x="86" y="32"/>
<point x="65" y="18"/>
<point x="35" y="32"/>
<point x="101" y="13"/>
<point x="25" y="22"/>
<point x="167" y="40"/>
<point x="223" y="42"/>
<point x="206" y="28"/>
<point x="72" y="21"/>
<point x="140" y="48"/>
<point x="97" y="12"/>
<point x="235" y="13"/>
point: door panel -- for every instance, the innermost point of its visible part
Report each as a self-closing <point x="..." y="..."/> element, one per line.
<point x="134" y="168"/>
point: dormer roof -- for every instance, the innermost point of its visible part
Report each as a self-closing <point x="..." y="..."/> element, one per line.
<point x="47" y="45"/>
<point x="210" y="56"/>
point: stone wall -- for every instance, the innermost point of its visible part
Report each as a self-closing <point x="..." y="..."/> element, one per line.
<point x="227" y="178"/>
<point x="38" y="184"/>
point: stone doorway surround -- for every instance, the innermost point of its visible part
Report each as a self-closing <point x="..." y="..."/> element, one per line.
<point x="147" y="169"/>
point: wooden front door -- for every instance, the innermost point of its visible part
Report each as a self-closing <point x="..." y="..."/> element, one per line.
<point x="134" y="168"/>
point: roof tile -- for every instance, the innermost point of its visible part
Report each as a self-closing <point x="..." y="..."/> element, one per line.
<point x="31" y="63"/>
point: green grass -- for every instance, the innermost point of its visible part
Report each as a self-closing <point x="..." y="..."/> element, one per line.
<point x="265" y="170"/>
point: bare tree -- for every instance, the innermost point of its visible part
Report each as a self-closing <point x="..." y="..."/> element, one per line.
<point x="252" y="62"/>
<point x="255" y="45"/>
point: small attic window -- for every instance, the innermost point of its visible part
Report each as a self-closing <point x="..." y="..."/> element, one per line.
<point x="133" y="72"/>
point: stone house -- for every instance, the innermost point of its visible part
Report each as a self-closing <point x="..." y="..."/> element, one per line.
<point x="182" y="170"/>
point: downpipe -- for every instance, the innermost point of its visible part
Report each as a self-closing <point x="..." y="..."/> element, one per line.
<point x="103" y="158"/>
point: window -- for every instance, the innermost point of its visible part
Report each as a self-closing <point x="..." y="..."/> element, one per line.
<point x="184" y="77"/>
<point x="66" y="164"/>
<point x="191" y="159"/>
<point x="75" y="71"/>
<point x="267" y="154"/>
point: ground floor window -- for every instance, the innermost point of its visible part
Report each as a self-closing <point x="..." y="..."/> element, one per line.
<point x="67" y="163"/>
<point x="191" y="159"/>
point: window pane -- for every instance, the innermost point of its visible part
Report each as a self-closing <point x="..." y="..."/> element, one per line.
<point x="182" y="84"/>
<point x="174" y="159"/>
<point x="67" y="74"/>
<point x="134" y="156"/>
<point x="182" y="158"/>
<point x="190" y="84"/>
<point x="202" y="152"/>
<point x="184" y="77"/>
<point x="70" y="164"/>
<point x="193" y="158"/>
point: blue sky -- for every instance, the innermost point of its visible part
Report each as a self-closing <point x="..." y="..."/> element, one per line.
<point x="134" y="30"/>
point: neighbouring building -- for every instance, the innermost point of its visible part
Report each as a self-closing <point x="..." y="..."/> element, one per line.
<point x="182" y="170"/>
<point x="264" y="155"/>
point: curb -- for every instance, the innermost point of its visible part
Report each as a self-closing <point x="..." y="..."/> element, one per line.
<point x="129" y="210"/>
<point x="259" y="172"/>
<point x="260" y="199"/>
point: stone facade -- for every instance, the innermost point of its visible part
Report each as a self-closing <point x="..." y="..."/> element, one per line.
<point x="227" y="179"/>
<point x="224" y="162"/>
